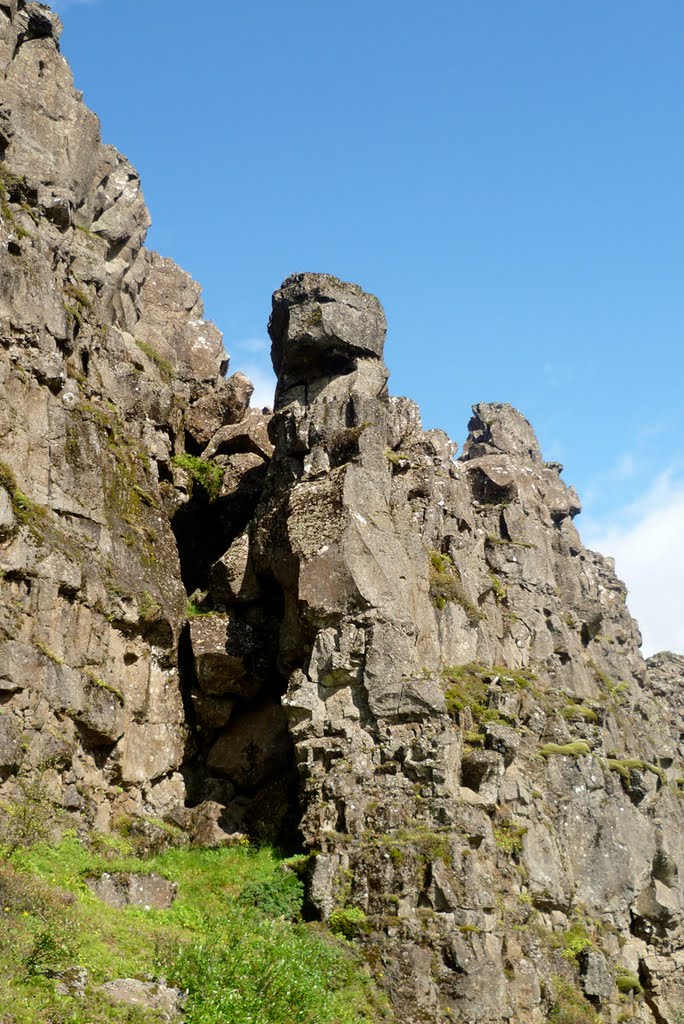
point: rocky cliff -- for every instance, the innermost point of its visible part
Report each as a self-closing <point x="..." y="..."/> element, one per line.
<point x="316" y="626"/>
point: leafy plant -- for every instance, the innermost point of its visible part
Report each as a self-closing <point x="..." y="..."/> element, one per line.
<point x="279" y="896"/>
<point x="205" y="475"/>
<point x="26" y="821"/>
<point x="508" y="837"/>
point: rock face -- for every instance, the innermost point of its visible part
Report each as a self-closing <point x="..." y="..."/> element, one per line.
<point x="112" y="386"/>
<point x="485" y="766"/>
<point x="319" y="619"/>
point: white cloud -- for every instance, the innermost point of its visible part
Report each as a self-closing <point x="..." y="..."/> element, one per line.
<point x="264" y="382"/>
<point x="647" y="541"/>
<point x="624" y="467"/>
<point x="254" y="345"/>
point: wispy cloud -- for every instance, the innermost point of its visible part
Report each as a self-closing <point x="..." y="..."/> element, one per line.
<point x="624" y="467"/>
<point x="647" y="541"/>
<point x="252" y="345"/>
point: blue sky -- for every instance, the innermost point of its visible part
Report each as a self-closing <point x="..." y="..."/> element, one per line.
<point x="505" y="176"/>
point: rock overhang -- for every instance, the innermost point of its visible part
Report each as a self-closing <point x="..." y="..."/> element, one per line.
<point x="320" y="326"/>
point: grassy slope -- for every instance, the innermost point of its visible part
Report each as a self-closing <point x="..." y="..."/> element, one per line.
<point x="232" y="939"/>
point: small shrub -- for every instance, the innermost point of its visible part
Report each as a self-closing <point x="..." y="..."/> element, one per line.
<point x="280" y="896"/>
<point x="348" y="922"/>
<point x="53" y="949"/>
<point x="26" y="821"/>
<point x="500" y="592"/>
<point x="205" y="475"/>
<point x="508" y="837"/>
<point x="570" y="1006"/>
<point x="575" y="942"/>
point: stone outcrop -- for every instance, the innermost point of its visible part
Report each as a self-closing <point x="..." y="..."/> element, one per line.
<point x="112" y="385"/>
<point x="485" y="767"/>
<point x="317" y="626"/>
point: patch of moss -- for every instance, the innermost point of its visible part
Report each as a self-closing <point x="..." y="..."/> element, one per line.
<point x="14" y="189"/>
<point x="627" y="981"/>
<point x="396" y="458"/>
<point x="314" y="317"/>
<point x="47" y="652"/>
<point x="90" y="234"/>
<point x="77" y="294"/>
<point x="578" y="713"/>
<point x="428" y="845"/>
<point x="624" y="766"/>
<point x="578" y="748"/>
<point x="29" y="513"/>
<point x="101" y="684"/>
<point x="349" y="922"/>
<point x="7" y="478"/>
<point x="469" y="687"/>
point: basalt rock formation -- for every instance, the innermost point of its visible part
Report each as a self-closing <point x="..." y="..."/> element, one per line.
<point x="317" y="625"/>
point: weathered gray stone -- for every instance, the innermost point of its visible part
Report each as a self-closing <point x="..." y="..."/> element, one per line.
<point x="124" y="889"/>
<point x="150" y="996"/>
<point x="224" y="649"/>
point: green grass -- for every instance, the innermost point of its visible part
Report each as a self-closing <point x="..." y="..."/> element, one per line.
<point x="164" y="366"/>
<point x="233" y="939"/>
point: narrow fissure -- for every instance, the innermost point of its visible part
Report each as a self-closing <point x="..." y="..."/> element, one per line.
<point x="239" y="752"/>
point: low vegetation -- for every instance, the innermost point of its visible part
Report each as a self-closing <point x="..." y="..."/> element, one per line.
<point x="233" y="940"/>
<point x="468" y="686"/>
<point x="204" y="475"/>
<point x="446" y="586"/>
